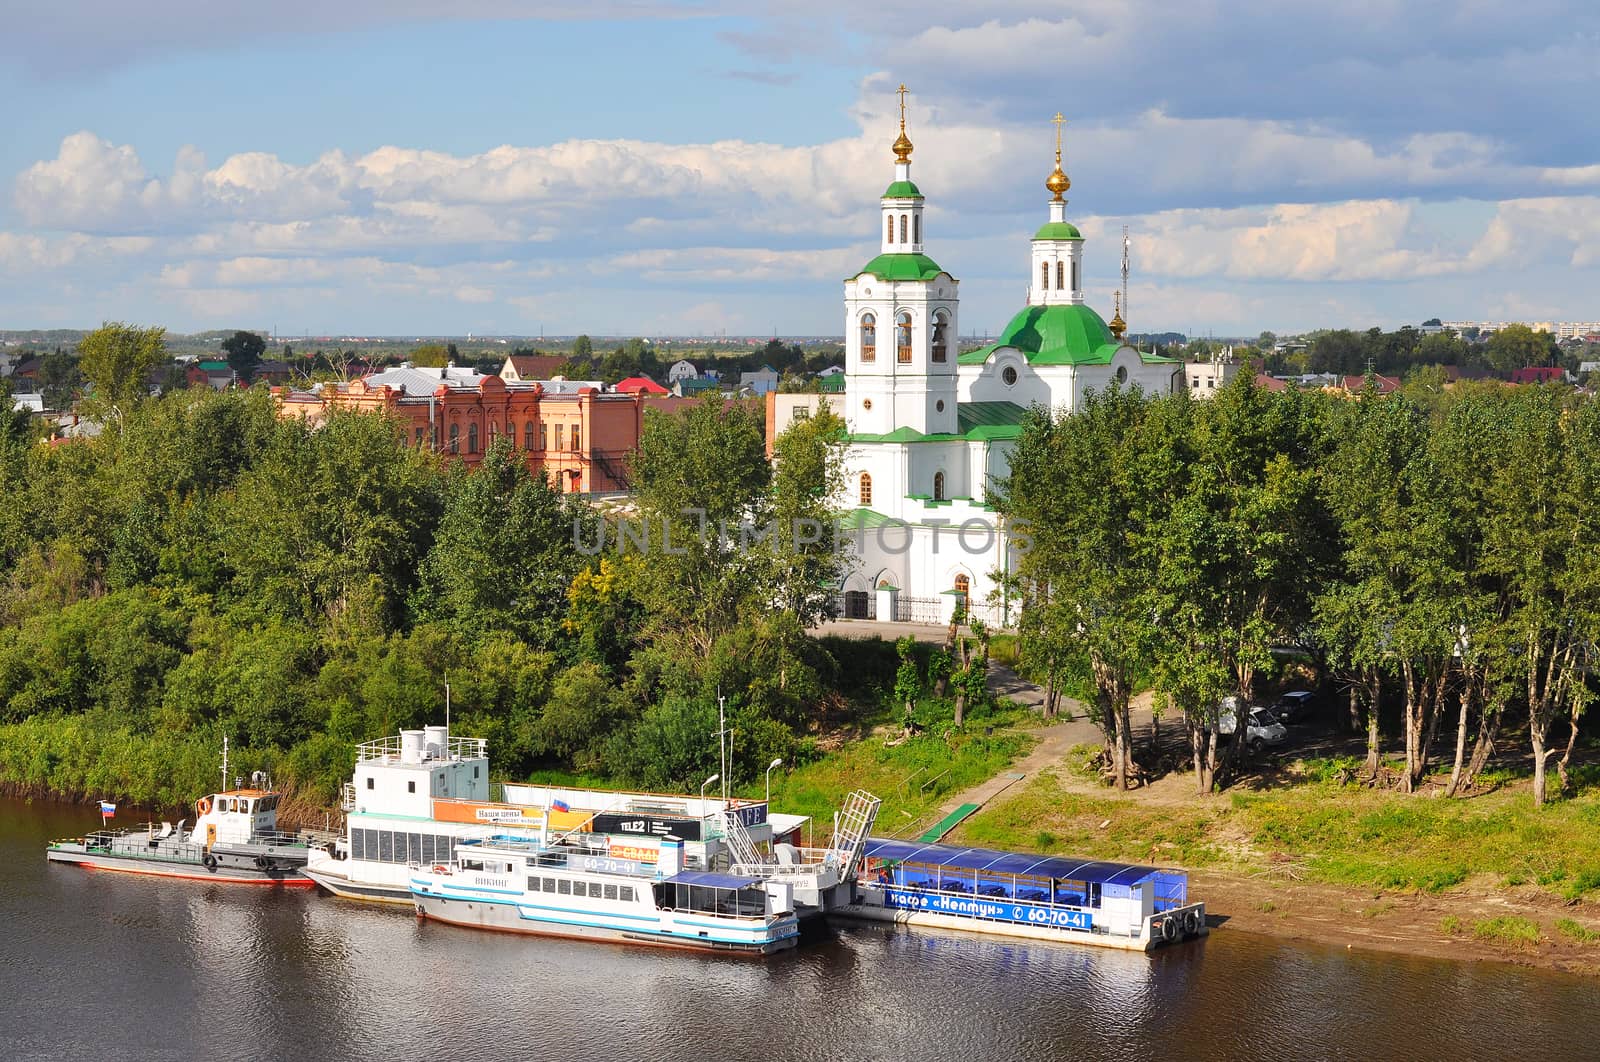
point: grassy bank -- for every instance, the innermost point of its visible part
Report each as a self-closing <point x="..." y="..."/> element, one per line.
<point x="1316" y="831"/>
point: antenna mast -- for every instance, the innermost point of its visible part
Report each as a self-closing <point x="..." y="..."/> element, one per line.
<point x="1125" y="311"/>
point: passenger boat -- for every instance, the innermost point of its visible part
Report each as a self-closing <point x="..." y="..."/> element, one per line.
<point x="235" y="841"/>
<point x="574" y="890"/>
<point x="979" y="890"/>
<point x="416" y="796"/>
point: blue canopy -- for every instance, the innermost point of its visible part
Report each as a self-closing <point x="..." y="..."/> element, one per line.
<point x="711" y="880"/>
<point x="987" y="859"/>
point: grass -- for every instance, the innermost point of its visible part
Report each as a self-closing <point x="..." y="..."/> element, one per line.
<point x="1330" y="833"/>
<point x="1511" y="930"/>
<point x="1450" y="925"/>
<point x="913" y="778"/>
<point x="1576" y="932"/>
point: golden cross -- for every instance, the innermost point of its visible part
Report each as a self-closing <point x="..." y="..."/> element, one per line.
<point x="1060" y="121"/>
<point x="902" y="91"/>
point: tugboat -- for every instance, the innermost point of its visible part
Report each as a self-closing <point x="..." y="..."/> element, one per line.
<point x="235" y="841"/>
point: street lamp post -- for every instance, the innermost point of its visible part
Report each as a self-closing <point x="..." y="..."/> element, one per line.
<point x="775" y="763"/>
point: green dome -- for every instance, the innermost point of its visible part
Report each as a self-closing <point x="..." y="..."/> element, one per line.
<point x="1058" y="230"/>
<point x="902" y="190"/>
<point x="1070" y="334"/>
<point x="901" y="267"/>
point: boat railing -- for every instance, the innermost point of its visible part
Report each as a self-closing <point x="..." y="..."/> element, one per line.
<point x="347" y="797"/>
<point x="389" y="749"/>
<point x="280" y="838"/>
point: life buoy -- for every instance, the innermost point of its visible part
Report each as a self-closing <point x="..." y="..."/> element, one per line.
<point x="210" y="862"/>
<point x="203" y="805"/>
<point x="440" y="870"/>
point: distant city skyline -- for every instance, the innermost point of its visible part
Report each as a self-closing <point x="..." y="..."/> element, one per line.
<point x="695" y="167"/>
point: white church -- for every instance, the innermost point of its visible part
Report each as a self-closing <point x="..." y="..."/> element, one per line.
<point x="930" y="428"/>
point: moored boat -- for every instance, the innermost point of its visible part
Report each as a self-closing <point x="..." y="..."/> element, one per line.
<point x="1016" y="894"/>
<point x="235" y="841"/>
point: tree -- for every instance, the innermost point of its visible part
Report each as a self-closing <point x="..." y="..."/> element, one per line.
<point x="809" y="474"/>
<point x="430" y="356"/>
<point x="245" y="351"/>
<point x="582" y="348"/>
<point x="117" y="357"/>
<point x="59" y="380"/>
<point x="1516" y="346"/>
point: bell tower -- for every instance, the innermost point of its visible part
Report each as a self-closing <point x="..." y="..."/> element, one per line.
<point x="900" y="320"/>
<point x="1057" y="276"/>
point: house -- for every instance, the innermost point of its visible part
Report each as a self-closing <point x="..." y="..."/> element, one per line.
<point x="573" y="433"/>
<point x="8" y="361"/>
<point x="639" y="385"/>
<point x="1205" y="378"/>
<point x="697" y="385"/>
<point x="213" y="374"/>
<point x="1271" y="383"/>
<point x="273" y="371"/>
<point x="32" y="401"/>
<point x="1538" y="374"/>
<point x="531" y="367"/>
<point x="761" y="381"/>
<point x="681" y="370"/>
<point x="832" y="385"/>
<point x="1387" y="385"/>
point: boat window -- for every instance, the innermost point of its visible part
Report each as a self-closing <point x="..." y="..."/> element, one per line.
<point x="370" y="782"/>
<point x="625" y="893"/>
<point x="533" y="884"/>
<point x="385" y="846"/>
<point x="611" y="892"/>
<point x="549" y="884"/>
<point x="594" y="890"/>
<point x="564" y="887"/>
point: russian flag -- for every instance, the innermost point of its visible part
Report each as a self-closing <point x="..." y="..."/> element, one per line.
<point x="561" y="805"/>
<point x="107" y="809"/>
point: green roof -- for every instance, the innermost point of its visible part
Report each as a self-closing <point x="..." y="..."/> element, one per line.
<point x="1070" y="334"/>
<point x="902" y="190"/>
<point x="1058" y="230"/>
<point x="831" y="384"/>
<point x="901" y="267"/>
<point x="864" y="520"/>
<point x="975" y="422"/>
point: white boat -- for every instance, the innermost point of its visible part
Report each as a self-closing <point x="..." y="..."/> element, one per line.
<point x="572" y="890"/>
<point x="1016" y="894"/>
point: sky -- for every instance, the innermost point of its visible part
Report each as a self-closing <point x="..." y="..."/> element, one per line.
<point x="396" y="167"/>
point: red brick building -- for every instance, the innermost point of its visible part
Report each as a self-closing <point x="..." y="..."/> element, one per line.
<point x="573" y="433"/>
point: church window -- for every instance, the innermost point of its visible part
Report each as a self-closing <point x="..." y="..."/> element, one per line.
<point x="866" y="404"/>
<point x="472" y="438"/>
<point x="869" y="337"/>
<point x="455" y="438"/>
<point x="1009" y="375"/>
<point x="916" y="228"/>
<point x="1044" y="276"/>
<point x="938" y="486"/>
<point x="527" y="435"/>
<point x="866" y="489"/>
<point x="902" y="228"/>
<point x="1122" y="374"/>
<point x="1060" y="273"/>
<point x="902" y="337"/>
<point x="889" y="237"/>
<point x="938" y="407"/>
<point x="963" y="586"/>
<point x="1074" y="275"/>
<point x="940" y="347"/>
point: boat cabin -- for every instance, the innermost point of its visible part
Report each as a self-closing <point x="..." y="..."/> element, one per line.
<point x="235" y="816"/>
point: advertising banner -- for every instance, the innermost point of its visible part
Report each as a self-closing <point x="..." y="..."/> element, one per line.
<point x="1001" y="910"/>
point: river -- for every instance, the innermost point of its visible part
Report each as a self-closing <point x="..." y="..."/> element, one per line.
<point x="95" y="966"/>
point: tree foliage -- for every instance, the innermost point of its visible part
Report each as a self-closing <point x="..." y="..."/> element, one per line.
<point x="116" y="358"/>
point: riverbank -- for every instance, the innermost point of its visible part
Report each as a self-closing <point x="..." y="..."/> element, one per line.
<point x="1303" y="856"/>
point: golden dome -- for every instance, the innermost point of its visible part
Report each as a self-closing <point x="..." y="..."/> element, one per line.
<point x="1058" y="182"/>
<point x="902" y="146"/>
<point x="1117" y="324"/>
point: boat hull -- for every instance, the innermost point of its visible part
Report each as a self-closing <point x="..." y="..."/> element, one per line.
<point x="510" y="918"/>
<point x="865" y="910"/>
<point x="341" y="886"/>
<point x="183" y="870"/>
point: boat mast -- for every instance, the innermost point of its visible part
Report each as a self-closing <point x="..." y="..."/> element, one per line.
<point x="224" y="788"/>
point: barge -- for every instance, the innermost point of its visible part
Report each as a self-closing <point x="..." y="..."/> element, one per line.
<point x="980" y="890"/>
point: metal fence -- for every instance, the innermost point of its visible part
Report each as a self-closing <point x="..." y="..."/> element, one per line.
<point x="909" y="609"/>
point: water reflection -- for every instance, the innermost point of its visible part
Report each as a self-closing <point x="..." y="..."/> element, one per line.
<point x="94" y="965"/>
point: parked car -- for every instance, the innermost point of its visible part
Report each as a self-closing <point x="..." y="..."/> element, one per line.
<point x="1294" y="706"/>
<point x="1263" y="728"/>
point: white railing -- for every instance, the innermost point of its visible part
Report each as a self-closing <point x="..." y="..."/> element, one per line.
<point x="389" y="749"/>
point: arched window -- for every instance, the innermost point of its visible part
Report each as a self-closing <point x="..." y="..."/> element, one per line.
<point x="902" y="337"/>
<point x="963" y="586"/>
<point x="1074" y="275"/>
<point x="902" y="228"/>
<point x="916" y="228"/>
<point x="527" y="435"/>
<point x="869" y="337"/>
<point x="1044" y="276"/>
<point x="472" y="438"/>
<point x="865" y="491"/>
<point x="455" y="438"/>
<point x="1061" y="268"/>
<point x="940" y="347"/>
<point x="889" y="225"/>
<point x="938" y="486"/>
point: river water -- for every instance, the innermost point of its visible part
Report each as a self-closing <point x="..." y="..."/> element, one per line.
<point x="96" y="966"/>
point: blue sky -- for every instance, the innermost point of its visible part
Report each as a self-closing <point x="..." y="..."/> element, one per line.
<point x="498" y="167"/>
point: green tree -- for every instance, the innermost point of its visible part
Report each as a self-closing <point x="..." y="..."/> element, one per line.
<point x="582" y="348"/>
<point x="116" y="358"/>
<point x="429" y="356"/>
<point x="1516" y="346"/>
<point x="244" y="351"/>
<point x="60" y="379"/>
<point x="809" y="474"/>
